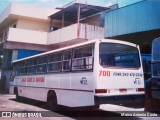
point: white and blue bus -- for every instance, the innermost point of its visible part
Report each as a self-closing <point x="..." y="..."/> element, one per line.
<point x="86" y="74"/>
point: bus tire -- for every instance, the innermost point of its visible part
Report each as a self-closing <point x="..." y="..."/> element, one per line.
<point x="52" y="101"/>
<point x="96" y="106"/>
<point x="16" y="93"/>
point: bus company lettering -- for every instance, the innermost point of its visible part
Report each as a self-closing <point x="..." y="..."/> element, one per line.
<point x="128" y="74"/>
<point x="29" y="79"/>
<point x="40" y="79"/>
<point x="33" y="79"/>
<point x="23" y="79"/>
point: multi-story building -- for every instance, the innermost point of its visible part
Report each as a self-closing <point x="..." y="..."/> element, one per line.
<point x="23" y="32"/>
<point x="26" y="30"/>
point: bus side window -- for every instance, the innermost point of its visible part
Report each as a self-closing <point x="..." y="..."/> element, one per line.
<point x="16" y="68"/>
<point x="41" y="66"/>
<point x="55" y="62"/>
<point x="67" y="60"/>
<point x="23" y="67"/>
<point x="83" y="58"/>
<point x="32" y="66"/>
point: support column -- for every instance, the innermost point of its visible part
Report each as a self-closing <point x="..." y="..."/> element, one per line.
<point x="62" y="20"/>
<point x="51" y="24"/>
<point x="6" y="70"/>
<point x="78" y="20"/>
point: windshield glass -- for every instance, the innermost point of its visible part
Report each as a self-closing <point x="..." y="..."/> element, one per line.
<point x="118" y="55"/>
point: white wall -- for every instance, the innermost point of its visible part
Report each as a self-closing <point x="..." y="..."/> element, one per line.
<point x="33" y="25"/>
<point x="31" y="11"/>
<point x="62" y="35"/>
<point x="91" y="32"/>
<point x="27" y="36"/>
<point x="70" y="33"/>
<point x="16" y="10"/>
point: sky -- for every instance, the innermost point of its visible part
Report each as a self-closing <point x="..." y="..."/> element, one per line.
<point x="60" y="3"/>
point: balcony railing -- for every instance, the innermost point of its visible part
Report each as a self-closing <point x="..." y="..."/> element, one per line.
<point x="27" y="36"/>
<point x="91" y="32"/>
<point x="70" y="33"/>
<point x="73" y="32"/>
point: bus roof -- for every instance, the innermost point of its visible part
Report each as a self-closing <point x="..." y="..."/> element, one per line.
<point x="78" y="45"/>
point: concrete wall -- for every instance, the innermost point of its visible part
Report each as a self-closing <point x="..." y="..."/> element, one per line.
<point x="91" y="32"/>
<point x="17" y="11"/>
<point x="27" y="36"/>
<point x="71" y="33"/>
<point x="62" y="35"/>
<point x="33" y="25"/>
<point x="31" y="11"/>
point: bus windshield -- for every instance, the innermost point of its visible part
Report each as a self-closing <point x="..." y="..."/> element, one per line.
<point x="118" y="56"/>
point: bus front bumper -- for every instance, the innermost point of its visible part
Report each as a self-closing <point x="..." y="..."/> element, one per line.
<point x="121" y="99"/>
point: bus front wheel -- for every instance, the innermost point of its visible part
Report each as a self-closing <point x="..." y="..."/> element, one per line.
<point x="52" y="101"/>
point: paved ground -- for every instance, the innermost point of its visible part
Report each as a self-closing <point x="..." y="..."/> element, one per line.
<point x="9" y="103"/>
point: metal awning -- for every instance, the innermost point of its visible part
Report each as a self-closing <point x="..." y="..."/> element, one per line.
<point x="70" y="12"/>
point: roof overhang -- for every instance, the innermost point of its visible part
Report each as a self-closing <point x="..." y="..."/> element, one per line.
<point x="70" y="12"/>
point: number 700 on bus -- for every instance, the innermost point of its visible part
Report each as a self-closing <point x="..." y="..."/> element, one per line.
<point x="104" y="73"/>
